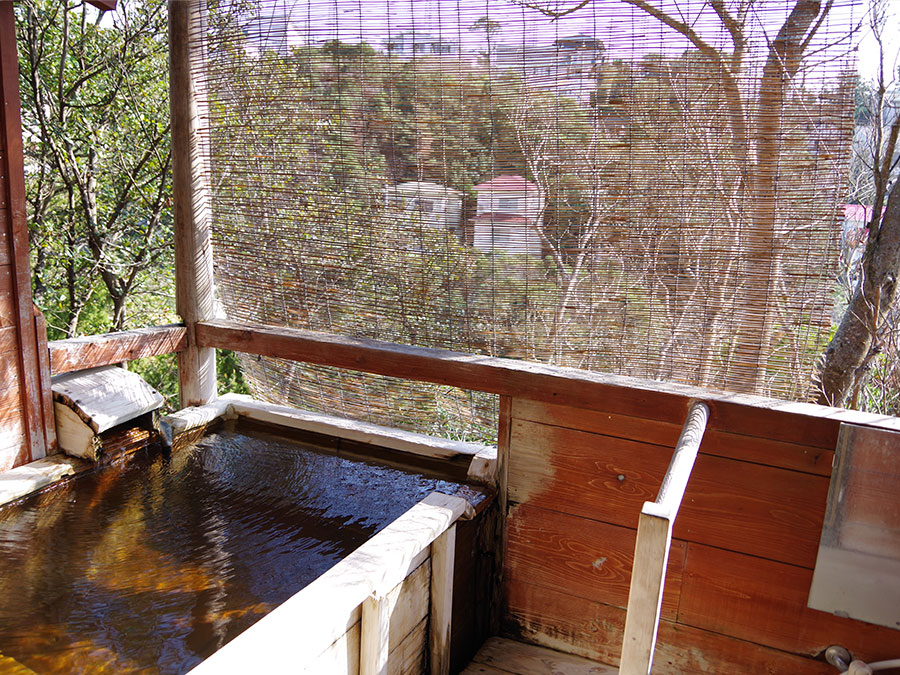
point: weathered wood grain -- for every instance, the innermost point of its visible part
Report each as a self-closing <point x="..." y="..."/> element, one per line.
<point x="443" y="554"/>
<point x="194" y="281"/>
<point x="763" y="601"/>
<point x="7" y="301"/>
<point x="13" y="169"/>
<point x="723" y="444"/>
<point x="8" y="341"/>
<point x="799" y="423"/>
<point x="756" y="509"/>
<point x="9" y="374"/>
<point x="581" y="557"/>
<point x="111" y="348"/>
<point x="4" y="218"/>
<point x="550" y="618"/>
<point x="409" y="656"/>
<point x="510" y="656"/>
<point x="43" y="355"/>
<point x="374" y="627"/>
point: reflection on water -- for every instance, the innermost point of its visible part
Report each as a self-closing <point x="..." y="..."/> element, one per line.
<point x="152" y="565"/>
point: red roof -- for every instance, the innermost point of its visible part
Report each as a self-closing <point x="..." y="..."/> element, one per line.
<point x="859" y="212"/>
<point x="507" y="183"/>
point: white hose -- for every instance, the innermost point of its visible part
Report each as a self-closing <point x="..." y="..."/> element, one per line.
<point x="862" y="668"/>
<point x="885" y="665"/>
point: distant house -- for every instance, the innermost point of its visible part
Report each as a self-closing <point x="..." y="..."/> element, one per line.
<point x="567" y="65"/>
<point x="436" y="205"/>
<point x="413" y="43"/>
<point x="508" y="216"/>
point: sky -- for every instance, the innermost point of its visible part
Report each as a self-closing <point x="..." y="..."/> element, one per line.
<point x="627" y="29"/>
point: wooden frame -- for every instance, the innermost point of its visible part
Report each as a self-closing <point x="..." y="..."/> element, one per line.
<point x="651" y="551"/>
<point x="752" y="416"/>
<point x="194" y="284"/>
<point x="105" y="350"/>
<point x="38" y="430"/>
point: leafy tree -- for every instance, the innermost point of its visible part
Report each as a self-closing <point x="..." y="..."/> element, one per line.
<point x="95" y="111"/>
<point x="754" y="118"/>
<point x="867" y="332"/>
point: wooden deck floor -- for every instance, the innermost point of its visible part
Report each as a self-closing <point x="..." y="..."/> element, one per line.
<point x="499" y="656"/>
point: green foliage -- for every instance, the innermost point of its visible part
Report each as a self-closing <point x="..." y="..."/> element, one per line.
<point x="95" y="110"/>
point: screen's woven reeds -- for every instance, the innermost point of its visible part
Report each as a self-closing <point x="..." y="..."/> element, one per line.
<point x="589" y="188"/>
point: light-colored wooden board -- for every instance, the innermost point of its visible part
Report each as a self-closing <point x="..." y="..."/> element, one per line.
<point x="549" y="618"/>
<point x="408" y="658"/>
<point x="194" y="417"/>
<point x="409" y="603"/>
<point x="443" y="553"/>
<point x="733" y="446"/>
<point x="766" y="511"/>
<point x="510" y="656"/>
<point x="651" y="554"/>
<point x="341" y="658"/>
<point x="764" y="602"/>
<point x="28" y="478"/>
<point x="374" y="630"/>
<point x="76" y="437"/>
<point x="105" y="397"/>
<point x="579" y="556"/>
<point x="82" y="353"/>
<point x="48" y="421"/>
<point x="481" y="669"/>
<point x="361" y="432"/>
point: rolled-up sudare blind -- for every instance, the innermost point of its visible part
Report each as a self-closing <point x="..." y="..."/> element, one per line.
<point x="635" y="187"/>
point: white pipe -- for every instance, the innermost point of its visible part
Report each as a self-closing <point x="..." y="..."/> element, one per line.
<point x="861" y="668"/>
<point x="885" y="665"/>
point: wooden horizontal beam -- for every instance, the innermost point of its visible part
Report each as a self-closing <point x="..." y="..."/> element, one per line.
<point x="105" y="5"/>
<point x="786" y="421"/>
<point x="103" y="350"/>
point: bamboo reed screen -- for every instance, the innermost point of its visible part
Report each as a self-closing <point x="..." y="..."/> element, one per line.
<point x="643" y="188"/>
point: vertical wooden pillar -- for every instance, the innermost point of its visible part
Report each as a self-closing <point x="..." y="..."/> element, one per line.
<point x="443" y="553"/>
<point x="190" y="156"/>
<point x="374" y="638"/>
<point x="26" y="433"/>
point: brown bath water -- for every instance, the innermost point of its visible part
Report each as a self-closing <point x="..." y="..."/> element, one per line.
<point x="152" y="565"/>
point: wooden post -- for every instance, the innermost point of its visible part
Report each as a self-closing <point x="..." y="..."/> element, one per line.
<point x="374" y="639"/>
<point x="443" y="552"/>
<point x="19" y="309"/>
<point x="194" y="284"/>
<point x="651" y="550"/>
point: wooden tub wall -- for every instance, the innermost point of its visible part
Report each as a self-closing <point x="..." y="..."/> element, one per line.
<point x="578" y="455"/>
<point x="580" y="452"/>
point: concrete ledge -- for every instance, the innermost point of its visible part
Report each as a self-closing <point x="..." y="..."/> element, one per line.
<point x="483" y="462"/>
<point x="188" y="419"/>
<point x="24" y="480"/>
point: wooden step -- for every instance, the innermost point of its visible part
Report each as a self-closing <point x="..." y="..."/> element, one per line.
<point x="500" y="656"/>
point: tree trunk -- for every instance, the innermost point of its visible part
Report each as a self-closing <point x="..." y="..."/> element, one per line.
<point x="761" y="258"/>
<point x="856" y="338"/>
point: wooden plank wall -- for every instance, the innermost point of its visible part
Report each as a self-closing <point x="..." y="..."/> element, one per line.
<point x="12" y="429"/>
<point x="26" y="432"/>
<point x="744" y="545"/>
<point x="408" y="642"/>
